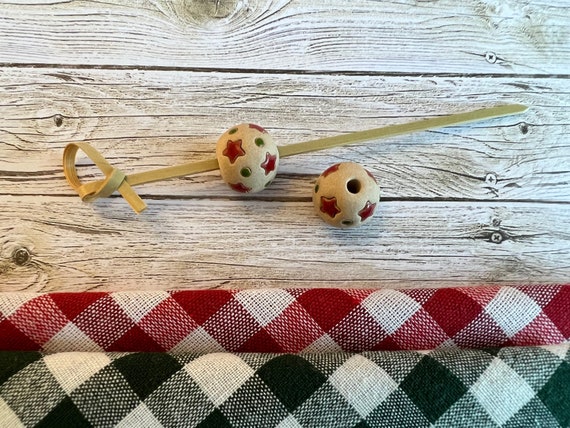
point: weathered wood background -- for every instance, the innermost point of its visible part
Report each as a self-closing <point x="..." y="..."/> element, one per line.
<point x="154" y="83"/>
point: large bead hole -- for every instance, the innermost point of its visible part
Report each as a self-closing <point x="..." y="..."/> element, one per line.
<point x="353" y="186"/>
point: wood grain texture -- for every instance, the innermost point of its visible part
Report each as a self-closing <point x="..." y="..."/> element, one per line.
<point x="153" y="83"/>
<point x="146" y="120"/>
<point x="47" y="245"/>
<point x="483" y="36"/>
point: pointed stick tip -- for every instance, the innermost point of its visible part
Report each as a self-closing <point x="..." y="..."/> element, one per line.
<point x="519" y="108"/>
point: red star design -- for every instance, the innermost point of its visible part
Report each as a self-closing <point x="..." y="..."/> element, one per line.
<point x="269" y="164"/>
<point x="233" y="150"/>
<point x="240" y="187"/>
<point x="328" y="206"/>
<point x="259" y="128"/>
<point x="330" y="170"/>
<point x="367" y="211"/>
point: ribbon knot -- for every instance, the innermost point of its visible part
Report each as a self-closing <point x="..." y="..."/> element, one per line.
<point x="115" y="179"/>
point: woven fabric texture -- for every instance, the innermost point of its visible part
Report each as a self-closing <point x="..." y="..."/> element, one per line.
<point x="285" y="320"/>
<point x="506" y="387"/>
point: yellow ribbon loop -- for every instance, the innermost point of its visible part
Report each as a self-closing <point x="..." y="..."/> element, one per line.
<point x="115" y="179"/>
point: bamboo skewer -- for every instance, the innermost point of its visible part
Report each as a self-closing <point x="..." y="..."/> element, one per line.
<point x="117" y="180"/>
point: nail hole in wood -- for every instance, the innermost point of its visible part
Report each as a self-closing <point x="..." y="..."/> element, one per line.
<point x="58" y="119"/>
<point x="524" y="128"/>
<point x="21" y="256"/>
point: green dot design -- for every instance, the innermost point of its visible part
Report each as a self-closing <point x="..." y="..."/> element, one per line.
<point x="259" y="142"/>
<point x="232" y="131"/>
<point x="245" y="172"/>
<point x="316" y="188"/>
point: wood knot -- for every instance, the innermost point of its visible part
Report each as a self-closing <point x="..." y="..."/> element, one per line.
<point x="205" y="11"/>
<point x="21" y="256"/>
<point x="65" y="120"/>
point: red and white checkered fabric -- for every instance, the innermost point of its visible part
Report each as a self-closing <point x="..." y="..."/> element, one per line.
<point x="285" y="320"/>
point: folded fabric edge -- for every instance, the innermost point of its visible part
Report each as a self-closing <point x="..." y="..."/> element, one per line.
<point x="286" y="320"/>
<point x="513" y="386"/>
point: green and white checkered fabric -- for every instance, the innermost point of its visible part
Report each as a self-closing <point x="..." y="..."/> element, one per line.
<point x="507" y="387"/>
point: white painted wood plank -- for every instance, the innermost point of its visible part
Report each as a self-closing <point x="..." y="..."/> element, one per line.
<point x="150" y="119"/>
<point x="233" y="244"/>
<point x="487" y="36"/>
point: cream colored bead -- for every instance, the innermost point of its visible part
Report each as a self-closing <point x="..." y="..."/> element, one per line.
<point x="248" y="158"/>
<point x="346" y="195"/>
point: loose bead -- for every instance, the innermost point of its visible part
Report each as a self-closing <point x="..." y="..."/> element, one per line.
<point x="346" y="195"/>
<point x="248" y="158"/>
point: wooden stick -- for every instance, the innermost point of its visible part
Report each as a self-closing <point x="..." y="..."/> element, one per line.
<point x="116" y="180"/>
<point x="401" y="129"/>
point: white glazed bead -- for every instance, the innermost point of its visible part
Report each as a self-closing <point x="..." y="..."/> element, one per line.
<point x="248" y="158"/>
<point x="346" y="195"/>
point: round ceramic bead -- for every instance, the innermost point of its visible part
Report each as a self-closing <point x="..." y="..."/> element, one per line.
<point x="248" y="158"/>
<point x="346" y="195"/>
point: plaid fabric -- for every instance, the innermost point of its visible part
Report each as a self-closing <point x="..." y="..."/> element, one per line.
<point x="507" y="387"/>
<point x="285" y="320"/>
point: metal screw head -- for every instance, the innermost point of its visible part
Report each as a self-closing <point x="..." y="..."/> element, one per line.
<point x="491" y="179"/>
<point x="497" y="237"/>
<point x="491" y="57"/>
